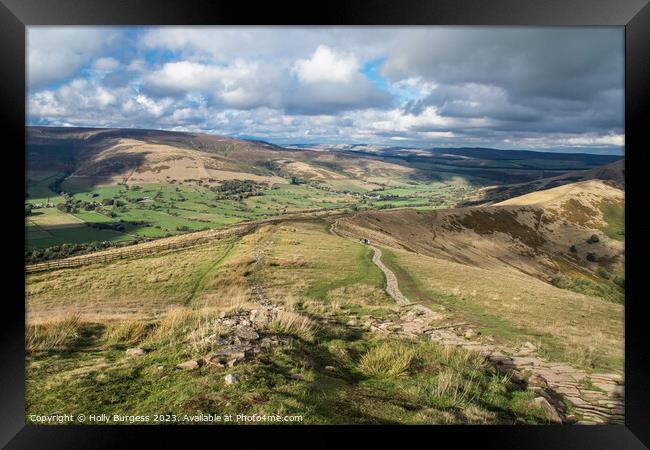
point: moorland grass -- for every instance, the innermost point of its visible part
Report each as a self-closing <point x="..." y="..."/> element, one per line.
<point x="346" y="374"/>
<point x="387" y="360"/>
<point x="520" y="310"/>
<point x="56" y="335"/>
<point x="604" y="288"/>
<point x="614" y="217"/>
<point x="438" y="385"/>
<point x="135" y="287"/>
<point x="293" y="324"/>
<point x="127" y="333"/>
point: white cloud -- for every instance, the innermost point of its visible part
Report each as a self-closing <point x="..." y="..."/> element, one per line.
<point x="137" y="65"/>
<point x="76" y="96"/>
<point x="241" y="84"/>
<point x="293" y="84"/>
<point x="185" y="76"/>
<point x="107" y="64"/>
<point x="152" y="107"/>
<point x="610" y="139"/>
<point x="45" y="104"/>
<point x="246" y="84"/>
<point x="325" y="66"/>
<point x="55" y="53"/>
<point x="278" y="44"/>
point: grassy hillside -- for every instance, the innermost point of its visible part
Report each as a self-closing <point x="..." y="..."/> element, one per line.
<point x="292" y="316"/>
<point x="426" y="383"/>
<point x="82" y="320"/>
<point x="517" y="308"/>
<point x="543" y="268"/>
<point x="560" y="232"/>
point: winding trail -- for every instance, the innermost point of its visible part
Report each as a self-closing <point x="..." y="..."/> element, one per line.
<point x="392" y="287"/>
<point x="595" y="398"/>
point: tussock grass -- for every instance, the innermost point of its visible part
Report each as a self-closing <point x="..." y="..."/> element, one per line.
<point x="287" y="322"/>
<point x="56" y="335"/>
<point x="457" y="357"/>
<point x="237" y="302"/>
<point x="127" y="332"/>
<point x="188" y="328"/>
<point x="387" y="360"/>
<point x="179" y="321"/>
<point x="478" y="415"/>
<point x="453" y="387"/>
<point x="399" y="381"/>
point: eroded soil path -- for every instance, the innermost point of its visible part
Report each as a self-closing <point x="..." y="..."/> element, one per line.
<point x="392" y="287"/>
<point x="594" y="398"/>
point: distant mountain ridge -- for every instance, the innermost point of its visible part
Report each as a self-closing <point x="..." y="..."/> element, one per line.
<point x="107" y="156"/>
<point x="474" y="152"/>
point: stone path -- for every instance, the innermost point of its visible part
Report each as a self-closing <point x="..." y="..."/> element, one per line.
<point x="595" y="398"/>
<point x="391" y="280"/>
<point x="256" y="287"/>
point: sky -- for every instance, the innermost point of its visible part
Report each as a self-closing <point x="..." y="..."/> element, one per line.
<point x="550" y="89"/>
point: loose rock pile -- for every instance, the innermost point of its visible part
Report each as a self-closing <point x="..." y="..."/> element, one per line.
<point x="415" y="322"/>
<point x="242" y="337"/>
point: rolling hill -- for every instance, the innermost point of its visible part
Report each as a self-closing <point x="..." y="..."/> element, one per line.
<point x="544" y="234"/>
<point x="612" y="173"/>
<point x="100" y="156"/>
<point x="545" y="266"/>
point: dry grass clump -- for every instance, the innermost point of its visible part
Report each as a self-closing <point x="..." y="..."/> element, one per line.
<point x="237" y="302"/>
<point x="455" y="378"/>
<point x="477" y="415"/>
<point x="127" y="332"/>
<point x="387" y="360"/>
<point x="180" y="322"/>
<point x="287" y="322"/>
<point x="452" y="386"/>
<point x="190" y="327"/>
<point x="457" y="357"/>
<point x="56" y="335"/>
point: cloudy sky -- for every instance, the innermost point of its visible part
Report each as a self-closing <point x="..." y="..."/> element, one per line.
<point x="511" y="88"/>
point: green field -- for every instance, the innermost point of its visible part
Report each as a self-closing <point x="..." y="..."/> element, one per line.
<point x="41" y="239"/>
<point x="159" y="210"/>
<point x="53" y="218"/>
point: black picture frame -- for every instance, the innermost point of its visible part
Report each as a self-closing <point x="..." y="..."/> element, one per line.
<point x="634" y="15"/>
